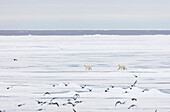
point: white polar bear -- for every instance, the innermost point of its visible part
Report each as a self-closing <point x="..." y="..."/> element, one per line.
<point x="88" y="67"/>
<point x="122" y="67"/>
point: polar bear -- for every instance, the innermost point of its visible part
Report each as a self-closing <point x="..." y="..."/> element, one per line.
<point x="122" y="67"/>
<point x="88" y="67"/>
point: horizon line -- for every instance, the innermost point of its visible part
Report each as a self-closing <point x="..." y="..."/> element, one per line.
<point x="81" y="29"/>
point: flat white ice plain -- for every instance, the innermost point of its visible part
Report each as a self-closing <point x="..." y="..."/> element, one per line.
<point x="46" y="62"/>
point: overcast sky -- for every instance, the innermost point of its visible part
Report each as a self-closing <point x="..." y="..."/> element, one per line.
<point x="84" y="14"/>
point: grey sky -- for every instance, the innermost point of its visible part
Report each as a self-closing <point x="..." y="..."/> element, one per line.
<point x="84" y="14"/>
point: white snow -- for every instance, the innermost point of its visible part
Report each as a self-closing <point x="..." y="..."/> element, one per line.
<point x="44" y="61"/>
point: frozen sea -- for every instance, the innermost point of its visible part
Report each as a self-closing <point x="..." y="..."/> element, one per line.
<point x="45" y="63"/>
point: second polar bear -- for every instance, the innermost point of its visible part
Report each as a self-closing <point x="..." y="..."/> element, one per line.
<point x="122" y="67"/>
<point x="88" y="67"/>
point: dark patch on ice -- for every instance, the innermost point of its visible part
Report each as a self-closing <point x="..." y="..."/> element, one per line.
<point x="144" y="60"/>
<point x="5" y="96"/>
<point x="148" y="78"/>
<point x="9" y="96"/>
<point x="143" y="67"/>
<point x="167" y="91"/>
<point x="24" y="85"/>
<point x="32" y="66"/>
<point x="55" y="97"/>
<point x="81" y="91"/>
<point x="141" y="72"/>
<point x="60" y="92"/>
<point x="105" y="109"/>
<point x="125" y="87"/>
<point x="12" y="67"/>
<point x="74" y="65"/>
<point x="162" y="83"/>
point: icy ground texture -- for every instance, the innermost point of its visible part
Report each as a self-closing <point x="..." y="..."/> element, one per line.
<point x="45" y="63"/>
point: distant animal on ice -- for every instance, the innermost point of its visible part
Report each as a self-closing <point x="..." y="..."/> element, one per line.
<point x="88" y="67"/>
<point x="15" y="59"/>
<point x="122" y="67"/>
